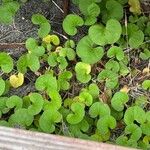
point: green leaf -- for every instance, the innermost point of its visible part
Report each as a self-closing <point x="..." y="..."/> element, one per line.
<point x="21" y="117"/>
<point x="6" y="62"/>
<point x="145" y="128"/>
<point x="63" y="79"/>
<point x="114" y="10"/>
<point x="118" y="115"/>
<point x="71" y="22"/>
<point x="146" y="84"/>
<point x="38" y="19"/>
<point x="124" y="70"/>
<point x="83" y="72"/>
<point x="69" y="44"/>
<point x="7" y="11"/>
<point x="56" y="101"/>
<point x="134" y="114"/>
<point x="4" y="123"/>
<point x="145" y="55"/>
<point x="134" y="130"/>
<point x="136" y="39"/>
<point x="124" y="141"/>
<point x="37" y="104"/>
<point x="62" y="62"/>
<point x="69" y="52"/>
<point x="117" y="52"/>
<point x="94" y="90"/>
<point x="14" y="101"/>
<point x="48" y="119"/>
<point x="78" y="113"/>
<point x="110" y="77"/>
<point x="88" y="52"/>
<point x="113" y="66"/>
<point x="46" y="82"/>
<point x="105" y="35"/>
<point x="45" y="27"/>
<point x="105" y="123"/>
<point x="3" y="107"/>
<point x="118" y="100"/>
<point x="52" y="59"/>
<point x="84" y="6"/>
<point x="32" y="46"/>
<point x="99" y="137"/>
<point x="148" y="116"/>
<point x="2" y="86"/>
<point x="93" y="12"/>
<point x="86" y="98"/>
<point x="28" y="61"/>
<point x="99" y="109"/>
<point x="136" y="36"/>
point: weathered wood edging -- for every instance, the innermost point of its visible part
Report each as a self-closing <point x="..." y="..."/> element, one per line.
<point x="16" y="139"/>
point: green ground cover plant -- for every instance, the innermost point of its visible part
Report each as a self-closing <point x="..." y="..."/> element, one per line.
<point x="80" y="88"/>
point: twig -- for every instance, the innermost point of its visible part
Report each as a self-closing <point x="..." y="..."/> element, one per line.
<point x="61" y="35"/>
<point x="57" y="6"/>
<point x="12" y="45"/>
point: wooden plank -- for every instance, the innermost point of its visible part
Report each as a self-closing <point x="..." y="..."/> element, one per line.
<point x="17" y="139"/>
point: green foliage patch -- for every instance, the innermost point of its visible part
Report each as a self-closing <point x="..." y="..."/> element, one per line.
<point x="85" y="88"/>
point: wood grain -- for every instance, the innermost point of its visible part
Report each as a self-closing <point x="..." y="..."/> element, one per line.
<point x="17" y="139"/>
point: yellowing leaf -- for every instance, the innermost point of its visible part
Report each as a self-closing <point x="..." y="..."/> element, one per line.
<point x="146" y="70"/>
<point x="16" y="80"/>
<point x="146" y="139"/>
<point x="51" y="39"/>
<point x="55" y="39"/>
<point x="47" y="39"/>
<point x="125" y="89"/>
<point x="135" y="6"/>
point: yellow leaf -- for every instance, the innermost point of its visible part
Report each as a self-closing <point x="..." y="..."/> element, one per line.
<point x="16" y="80"/>
<point x="47" y="39"/>
<point x="58" y="49"/>
<point x="135" y="6"/>
<point x="51" y="39"/>
<point x="55" y="39"/>
<point x="125" y="89"/>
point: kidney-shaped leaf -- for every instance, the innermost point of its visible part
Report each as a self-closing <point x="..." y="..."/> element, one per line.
<point x="106" y="122"/>
<point x="71" y="22"/>
<point x="78" y="113"/>
<point x="102" y="35"/>
<point x="14" y="101"/>
<point x="99" y="109"/>
<point x="48" y="119"/>
<point x="21" y="117"/>
<point x="134" y="130"/>
<point x="134" y="113"/>
<point x="37" y="103"/>
<point x="116" y="51"/>
<point x="87" y="51"/>
<point x="83" y="72"/>
<point x="6" y="62"/>
<point x="118" y="100"/>
<point x="110" y="77"/>
<point x="46" y="82"/>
